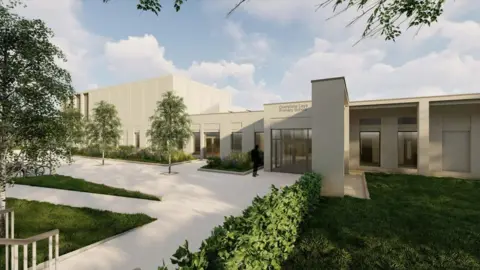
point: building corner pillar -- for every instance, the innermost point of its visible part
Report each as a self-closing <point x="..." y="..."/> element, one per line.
<point x="346" y="140"/>
<point x="329" y="99"/>
<point x="423" y="117"/>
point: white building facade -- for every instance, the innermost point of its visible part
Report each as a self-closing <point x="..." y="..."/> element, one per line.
<point x="329" y="134"/>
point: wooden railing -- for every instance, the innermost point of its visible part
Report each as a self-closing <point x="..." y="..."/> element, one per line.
<point x="11" y="245"/>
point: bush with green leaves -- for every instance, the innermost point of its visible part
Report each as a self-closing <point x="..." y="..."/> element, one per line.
<point x="131" y="153"/>
<point x="233" y="162"/>
<point x="214" y="162"/>
<point x="263" y="237"/>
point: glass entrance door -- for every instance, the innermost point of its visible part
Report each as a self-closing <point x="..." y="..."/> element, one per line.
<point x="291" y="150"/>
<point x="212" y="144"/>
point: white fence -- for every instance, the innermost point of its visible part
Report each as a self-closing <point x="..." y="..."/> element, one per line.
<point x="12" y="245"/>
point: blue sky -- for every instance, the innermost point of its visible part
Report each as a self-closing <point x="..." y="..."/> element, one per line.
<point x="268" y="51"/>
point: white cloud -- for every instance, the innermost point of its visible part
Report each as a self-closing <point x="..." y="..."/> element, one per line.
<point x="252" y="47"/>
<point x="75" y="41"/>
<point x="137" y="56"/>
<point x="368" y="76"/>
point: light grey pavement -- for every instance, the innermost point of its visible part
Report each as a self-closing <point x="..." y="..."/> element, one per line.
<point x="193" y="203"/>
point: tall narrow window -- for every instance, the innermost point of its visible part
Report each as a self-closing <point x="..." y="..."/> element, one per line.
<point x="407" y="149"/>
<point x="369" y="148"/>
<point x="196" y="142"/>
<point x="137" y="139"/>
<point x="86" y="108"/>
<point x="236" y="142"/>
<point x="259" y="140"/>
<point x="77" y="98"/>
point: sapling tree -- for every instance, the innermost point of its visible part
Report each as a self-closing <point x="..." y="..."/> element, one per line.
<point x="32" y="90"/>
<point x="74" y="127"/>
<point x="170" y="126"/>
<point x="104" y="128"/>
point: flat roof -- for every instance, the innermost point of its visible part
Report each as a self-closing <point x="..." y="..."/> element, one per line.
<point x="391" y="101"/>
<point x="455" y="97"/>
<point x="229" y="112"/>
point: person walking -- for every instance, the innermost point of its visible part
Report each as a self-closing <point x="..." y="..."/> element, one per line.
<point x="255" y="156"/>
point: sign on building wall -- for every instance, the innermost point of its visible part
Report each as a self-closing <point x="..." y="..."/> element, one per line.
<point x="293" y="107"/>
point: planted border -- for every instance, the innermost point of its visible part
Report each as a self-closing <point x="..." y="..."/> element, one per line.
<point x="130" y="153"/>
<point x="263" y="237"/>
<point x="226" y="171"/>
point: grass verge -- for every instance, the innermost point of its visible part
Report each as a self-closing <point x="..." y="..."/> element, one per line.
<point x="79" y="227"/>
<point x="411" y="222"/>
<point x="80" y="185"/>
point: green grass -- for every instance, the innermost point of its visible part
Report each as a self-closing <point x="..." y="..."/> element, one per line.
<point x="411" y="222"/>
<point x="79" y="227"/>
<point x="75" y="184"/>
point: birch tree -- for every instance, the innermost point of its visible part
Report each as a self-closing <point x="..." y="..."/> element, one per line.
<point x="170" y="126"/>
<point x="104" y="128"/>
<point x="32" y="90"/>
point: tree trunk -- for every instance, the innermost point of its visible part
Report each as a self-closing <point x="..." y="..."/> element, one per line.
<point x="169" y="163"/>
<point x="103" y="157"/>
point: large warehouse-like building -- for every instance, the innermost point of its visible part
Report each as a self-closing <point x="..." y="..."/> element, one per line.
<point x="329" y="134"/>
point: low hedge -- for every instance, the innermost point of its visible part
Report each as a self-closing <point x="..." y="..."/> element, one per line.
<point x="234" y="162"/>
<point x="262" y="238"/>
<point x="131" y="153"/>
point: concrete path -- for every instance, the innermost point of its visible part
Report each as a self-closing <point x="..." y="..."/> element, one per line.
<point x="193" y="204"/>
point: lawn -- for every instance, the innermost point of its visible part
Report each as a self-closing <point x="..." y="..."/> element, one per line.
<point x="411" y="222"/>
<point x="79" y="227"/>
<point x="75" y="184"/>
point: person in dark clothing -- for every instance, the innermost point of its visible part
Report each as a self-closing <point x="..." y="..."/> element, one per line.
<point x="255" y="155"/>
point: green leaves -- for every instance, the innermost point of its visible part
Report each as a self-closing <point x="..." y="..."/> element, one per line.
<point x="154" y="5"/>
<point x="170" y="124"/>
<point x="386" y="18"/>
<point x="33" y="89"/>
<point x="263" y="238"/>
<point x="104" y="127"/>
<point x="74" y="126"/>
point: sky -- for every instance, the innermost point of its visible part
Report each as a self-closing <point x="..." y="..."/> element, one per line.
<point x="267" y="51"/>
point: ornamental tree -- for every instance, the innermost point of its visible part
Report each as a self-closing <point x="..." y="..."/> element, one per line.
<point x="74" y="126"/>
<point x="32" y="89"/>
<point x="104" y="128"/>
<point x="385" y="17"/>
<point x="170" y="126"/>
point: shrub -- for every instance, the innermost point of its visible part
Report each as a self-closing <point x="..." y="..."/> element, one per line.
<point x="128" y="152"/>
<point x="235" y="162"/>
<point x="263" y="237"/>
<point x="214" y="162"/>
<point x="240" y="160"/>
<point x="124" y="151"/>
<point x="178" y="156"/>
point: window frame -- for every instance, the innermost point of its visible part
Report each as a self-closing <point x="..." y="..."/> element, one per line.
<point x="233" y="144"/>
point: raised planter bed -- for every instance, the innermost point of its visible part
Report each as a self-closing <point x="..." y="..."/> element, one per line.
<point x="141" y="162"/>
<point x="228" y="172"/>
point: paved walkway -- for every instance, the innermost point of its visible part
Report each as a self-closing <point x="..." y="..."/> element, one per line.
<point x="193" y="203"/>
